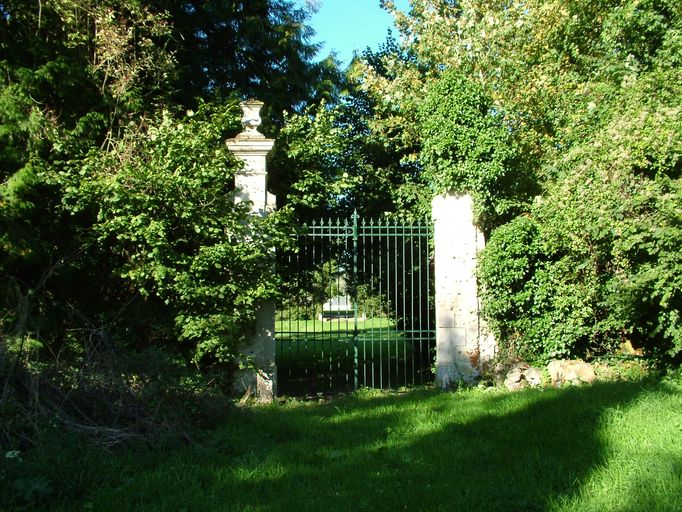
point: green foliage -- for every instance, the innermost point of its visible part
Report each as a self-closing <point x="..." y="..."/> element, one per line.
<point x="575" y="101"/>
<point x="163" y="204"/>
<point x="540" y="302"/>
<point x="505" y="269"/>
<point x="370" y="302"/>
<point x="118" y="230"/>
<point x="467" y="148"/>
<point x="594" y="265"/>
<point x="330" y="161"/>
<point x="316" y="165"/>
<point x="117" y="220"/>
<point x="307" y="289"/>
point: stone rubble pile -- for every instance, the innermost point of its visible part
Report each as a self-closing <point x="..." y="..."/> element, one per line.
<point x="519" y="374"/>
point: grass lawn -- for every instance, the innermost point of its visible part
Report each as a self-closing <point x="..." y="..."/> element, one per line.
<point x="608" y="447"/>
<point x="340" y="324"/>
<point x="318" y="356"/>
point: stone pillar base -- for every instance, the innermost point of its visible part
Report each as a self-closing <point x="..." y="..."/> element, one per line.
<point x="449" y="374"/>
<point x="260" y="381"/>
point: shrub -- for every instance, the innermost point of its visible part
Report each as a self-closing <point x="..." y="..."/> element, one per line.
<point x="165" y="212"/>
<point x="467" y="148"/>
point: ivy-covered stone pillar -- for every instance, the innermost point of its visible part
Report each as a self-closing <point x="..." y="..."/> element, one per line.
<point x="462" y="339"/>
<point x="252" y="148"/>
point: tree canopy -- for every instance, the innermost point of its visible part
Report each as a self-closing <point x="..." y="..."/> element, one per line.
<point x="577" y="105"/>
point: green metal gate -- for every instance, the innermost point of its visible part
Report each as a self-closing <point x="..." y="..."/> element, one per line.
<point x="358" y="308"/>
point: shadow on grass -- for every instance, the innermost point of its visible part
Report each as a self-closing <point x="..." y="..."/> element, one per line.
<point x="420" y="450"/>
<point x="323" y="362"/>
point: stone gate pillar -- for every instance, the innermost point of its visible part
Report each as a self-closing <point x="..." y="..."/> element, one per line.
<point x="462" y="339"/>
<point x="251" y="147"/>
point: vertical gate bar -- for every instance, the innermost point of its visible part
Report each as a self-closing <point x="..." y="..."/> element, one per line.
<point x="381" y="281"/>
<point x="421" y="306"/>
<point x="428" y="291"/>
<point x="350" y="249"/>
<point x="386" y="342"/>
<point x="370" y="305"/>
<point x="284" y="323"/>
<point x="341" y="249"/>
<point x="342" y="244"/>
<point x="391" y="293"/>
<point x="295" y="367"/>
<point x="311" y="317"/>
<point x="327" y="323"/>
<point x="414" y="322"/>
<point x="295" y="312"/>
<point x="330" y="380"/>
<point x="303" y="242"/>
<point x="429" y="256"/>
<point x="389" y="301"/>
<point x="423" y="280"/>
<point x="302" y="259"/>
<point x="364" y="306"/>
<point x="418" y="294"/>
<point x="354" y="279"/>
<point x="380" y="302"/>
<point x="288" y="266"/>
<point x="405" y="319"/>
<point x="395" y="290"/>
<point x="332" y="342"/>
<point x="331" y="256"/>
<point x="309" y="249"/>
<point x="309" y="264"/>
<point x="371" y="287"/>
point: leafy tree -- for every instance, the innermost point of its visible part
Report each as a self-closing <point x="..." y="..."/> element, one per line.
<point x="334" y="158"/>
<point x="73" y="71"/>
<point x="84" y="85"/>
<point x="316" y="164"/>
<point x="606" y="270"/>
<point x="582" y="100"/>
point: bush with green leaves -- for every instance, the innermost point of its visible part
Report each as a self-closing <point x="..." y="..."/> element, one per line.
<point x="540" y="302"/>
<point x="596" y="262"/>
<point x="583" y="99"/>
<point x="466" y="148"/>
<point x="164" y="206"/>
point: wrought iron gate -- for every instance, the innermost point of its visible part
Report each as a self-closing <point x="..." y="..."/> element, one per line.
<point x="358" y="308"/>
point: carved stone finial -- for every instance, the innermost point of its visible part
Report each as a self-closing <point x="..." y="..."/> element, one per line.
<point x="251" y="118"/>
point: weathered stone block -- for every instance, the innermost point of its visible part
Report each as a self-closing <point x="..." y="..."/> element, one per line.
<point x="462" y="339"/>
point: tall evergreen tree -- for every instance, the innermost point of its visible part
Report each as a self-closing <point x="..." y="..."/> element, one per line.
<point x="254" y="48"/>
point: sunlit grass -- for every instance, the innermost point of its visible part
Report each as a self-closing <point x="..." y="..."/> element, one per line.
<point x="608" y="447"/>
<point x="642" y="468"/>
<point x="338" y="324"/>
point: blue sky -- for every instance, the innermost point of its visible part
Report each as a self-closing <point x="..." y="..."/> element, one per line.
<point x="348" y="25"/>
